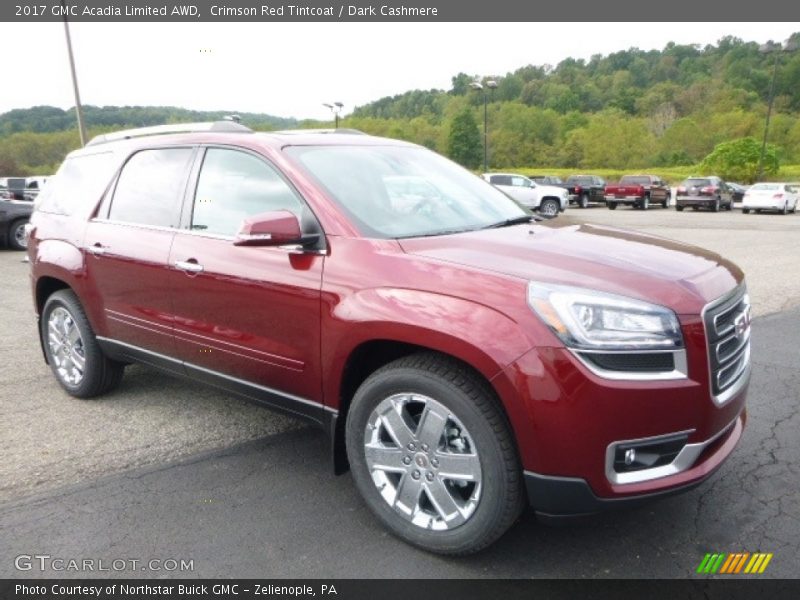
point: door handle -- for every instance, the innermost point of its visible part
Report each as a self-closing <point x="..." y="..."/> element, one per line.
<point x="188" y="266"/>
<point x="97" y="249"/>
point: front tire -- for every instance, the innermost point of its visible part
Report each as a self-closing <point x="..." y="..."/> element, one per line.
<point x="645" y="203"/>
<point x="16" y="235"/>
<point x="432" y="454"/>
<point x="612" y="205"/>
<point x="584" y="201"/>
<point x="679" y="208"/>
<point x="549" y="208"/>
<point x="73" y="353"/>
<point x="715" y="206"/>
<point x="746" y="211"/>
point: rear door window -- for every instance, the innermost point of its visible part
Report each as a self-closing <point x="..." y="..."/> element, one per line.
<point x="150" y="187"/>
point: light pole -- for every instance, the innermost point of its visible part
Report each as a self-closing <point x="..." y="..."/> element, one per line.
<point x="336" y="108"/>
<point x="477" y="85"/>
<point x="788" y="46"/>
<point x="78" y="109"/>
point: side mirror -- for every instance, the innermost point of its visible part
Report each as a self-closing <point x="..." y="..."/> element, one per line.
<point x="277" y="228"/>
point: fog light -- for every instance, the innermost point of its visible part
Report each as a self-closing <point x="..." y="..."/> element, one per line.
<point x="648" y="454"/>
<point x="630" y="456"/>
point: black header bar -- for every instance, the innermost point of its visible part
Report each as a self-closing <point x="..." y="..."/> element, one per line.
<point x="671" y="13"/>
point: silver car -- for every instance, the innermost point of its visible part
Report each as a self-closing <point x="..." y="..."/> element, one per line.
<point x="780" y="197"/>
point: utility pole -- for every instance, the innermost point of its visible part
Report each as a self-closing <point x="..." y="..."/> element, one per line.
<point x="78" y="109"/>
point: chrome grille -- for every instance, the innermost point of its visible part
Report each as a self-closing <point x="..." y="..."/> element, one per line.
<point x="727" y="323"/>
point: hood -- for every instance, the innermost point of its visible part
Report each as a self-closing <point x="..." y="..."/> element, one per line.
<point x="682" y="277"/>
<point x="551" y="190"/>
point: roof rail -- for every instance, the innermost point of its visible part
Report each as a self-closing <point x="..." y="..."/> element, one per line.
<point x="343" y="130"/>
<point x="127" y="134"/>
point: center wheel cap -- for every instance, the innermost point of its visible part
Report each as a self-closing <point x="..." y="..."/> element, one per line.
<point x="421" y="461"/>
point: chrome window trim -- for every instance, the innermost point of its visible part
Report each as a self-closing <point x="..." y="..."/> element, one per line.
<point x="682" y="462"/>
<point x="681" y="370"/>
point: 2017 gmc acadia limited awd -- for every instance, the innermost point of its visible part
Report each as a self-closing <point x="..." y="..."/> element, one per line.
<point x="464" y="359"/>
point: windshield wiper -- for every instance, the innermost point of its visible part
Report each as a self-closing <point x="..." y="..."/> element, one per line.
<point x="437" y="233"/>
<point x="514" y="221"/>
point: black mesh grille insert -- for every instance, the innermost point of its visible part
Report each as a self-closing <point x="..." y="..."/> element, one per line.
<point x="652" y="362"/>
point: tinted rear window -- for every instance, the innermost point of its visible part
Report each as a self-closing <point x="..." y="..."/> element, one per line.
<point x="636" y="180"/>
<point x="150" y="187"/>
<point x="78" y="185"/>
<point x="696" y="182"/>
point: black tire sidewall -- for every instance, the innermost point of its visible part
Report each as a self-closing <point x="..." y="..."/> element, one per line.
<point x="92" y="373"/>
<point x="483" y="522"/>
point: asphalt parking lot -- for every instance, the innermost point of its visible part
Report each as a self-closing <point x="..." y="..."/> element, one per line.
<point x="162" y="468"/>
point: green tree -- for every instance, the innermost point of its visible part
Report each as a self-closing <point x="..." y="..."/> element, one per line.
<point x="464" y="141"/>
<point x="738" y="160"/>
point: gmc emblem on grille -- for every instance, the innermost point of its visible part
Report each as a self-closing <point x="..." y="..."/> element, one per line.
<point x="742" y="323"/>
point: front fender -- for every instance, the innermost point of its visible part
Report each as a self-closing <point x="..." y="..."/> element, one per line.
<point x="477" y="334"/>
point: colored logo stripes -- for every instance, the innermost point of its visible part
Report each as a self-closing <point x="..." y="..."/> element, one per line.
<point x="735" y="563"/>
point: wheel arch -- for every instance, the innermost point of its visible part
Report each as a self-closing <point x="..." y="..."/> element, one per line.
<point x="363" y="361"/>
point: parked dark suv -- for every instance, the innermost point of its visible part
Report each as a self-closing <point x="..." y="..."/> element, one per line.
<point x="464" y="359"/>
<point x="704" y="192"/>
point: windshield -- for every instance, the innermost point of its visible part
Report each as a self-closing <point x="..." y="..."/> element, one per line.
<point x="399" y="192"/>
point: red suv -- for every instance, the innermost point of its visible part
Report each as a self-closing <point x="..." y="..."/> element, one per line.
<point x="464" y="359"/>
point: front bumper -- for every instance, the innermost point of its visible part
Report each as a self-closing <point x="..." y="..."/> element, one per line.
<point x="574" y="425"/>
<point x="554" y="497"/>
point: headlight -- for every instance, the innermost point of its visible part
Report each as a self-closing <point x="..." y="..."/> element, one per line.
<point x="591" y="320"/>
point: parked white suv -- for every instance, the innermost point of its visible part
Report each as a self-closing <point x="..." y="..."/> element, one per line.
<point x="549" y="200"/>
<point x="781" y="197"/>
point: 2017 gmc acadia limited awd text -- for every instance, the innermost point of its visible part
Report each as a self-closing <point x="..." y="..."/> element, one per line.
<point x="464" y="359"/>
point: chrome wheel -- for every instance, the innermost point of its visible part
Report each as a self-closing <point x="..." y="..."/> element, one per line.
<point x="66" y="346"/>
<point x="423" y="461"/>
<point x="549" y="208"/>
<point x="20" y="241"/>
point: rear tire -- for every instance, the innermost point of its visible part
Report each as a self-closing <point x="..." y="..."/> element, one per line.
<point x="785" y="210"/>
<point x="612" y="205"/>
<point x="406" y="421"/>
<point x="746" y="211"/>
<point x="679" y="208"/>
<point x="16" y="235"/>
<point x="72" y="351"/>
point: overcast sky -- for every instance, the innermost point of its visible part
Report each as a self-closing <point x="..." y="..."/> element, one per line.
<point x="290" y="69"/>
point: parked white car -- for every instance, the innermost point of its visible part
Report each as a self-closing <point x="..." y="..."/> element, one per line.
<point x="547" y="199"/>
<point x="781" y="197"/>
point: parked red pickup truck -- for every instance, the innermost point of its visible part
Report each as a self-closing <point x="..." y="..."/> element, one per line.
<point x="638" y="190"/>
